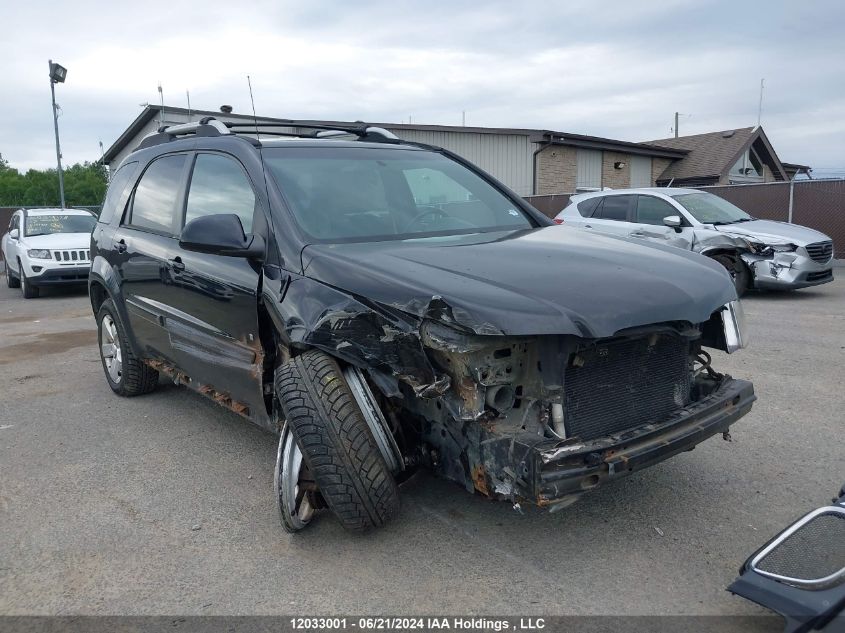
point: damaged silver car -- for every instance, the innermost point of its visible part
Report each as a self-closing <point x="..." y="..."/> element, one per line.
<point x="385" y="306"/>
<point x="757" y="253"/>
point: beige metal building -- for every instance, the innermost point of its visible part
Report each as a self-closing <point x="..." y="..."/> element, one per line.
<point x="529" y="161"/>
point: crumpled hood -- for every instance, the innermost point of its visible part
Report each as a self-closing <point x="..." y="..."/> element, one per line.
<point x="551" y="280"/>
<point x="770" y="232"/>
<point x="59" y="241"/>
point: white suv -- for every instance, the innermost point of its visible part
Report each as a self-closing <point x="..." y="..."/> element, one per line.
<point x="47" y="247"/>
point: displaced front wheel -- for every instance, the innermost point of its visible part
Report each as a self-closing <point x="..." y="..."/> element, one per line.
<point x="736" y="269"/>
<point x="294" y="489"/>
<point x="337" y="445"/>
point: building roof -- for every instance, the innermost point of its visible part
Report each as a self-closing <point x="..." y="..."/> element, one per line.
<point x="711" y="155"/>
<point x="551" y="137"/>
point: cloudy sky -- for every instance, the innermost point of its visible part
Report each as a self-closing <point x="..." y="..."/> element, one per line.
<point x="619" y="70"/>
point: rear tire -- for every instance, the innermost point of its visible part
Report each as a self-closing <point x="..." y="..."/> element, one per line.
<point x="11" y="280"/>
<point x="737" y="269"/>
<point x="27" y="289"/>
<point x="126" y="374"/>
<point x="336" y="443"/>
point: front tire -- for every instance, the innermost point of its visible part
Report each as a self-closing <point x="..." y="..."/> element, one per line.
<point x="11" y="281"/>
<point x="737" y="269"/>
<point x="127" y="375"/>
<point x="27" y="289"/>
<point x="336" y="442"/>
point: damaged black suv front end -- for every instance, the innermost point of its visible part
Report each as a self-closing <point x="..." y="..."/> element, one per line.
<point x="544" y="419"/>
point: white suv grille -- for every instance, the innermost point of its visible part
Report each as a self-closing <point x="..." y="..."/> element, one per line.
<point x="72" y="256"/>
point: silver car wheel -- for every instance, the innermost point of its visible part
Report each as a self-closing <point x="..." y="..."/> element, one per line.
<point x="295" y="506"/>
<point x="110" y="349"/>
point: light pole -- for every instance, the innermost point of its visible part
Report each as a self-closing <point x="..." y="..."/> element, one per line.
<point x="57" y="75"/>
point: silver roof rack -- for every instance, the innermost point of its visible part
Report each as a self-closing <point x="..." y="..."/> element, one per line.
<point x="193" y="127"/>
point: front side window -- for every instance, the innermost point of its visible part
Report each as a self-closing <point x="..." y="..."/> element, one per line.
<point x="155" y="201"/>
<point x="710" y="209"/>
<point x="58" y="223"/>
<point x="614" y="208"/>
<point x="352" y="194"/>
<point x="219" y="185"/>
<point x="651" y="210"/>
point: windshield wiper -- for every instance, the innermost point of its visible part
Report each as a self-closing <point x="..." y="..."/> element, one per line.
<point x="742" y="220"/>
<point x="36" y="234"/>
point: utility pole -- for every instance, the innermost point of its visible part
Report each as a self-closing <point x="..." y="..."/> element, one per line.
<point x="676" y="124"/>
<point x="760" y="106"/>
<point x="161" y="112"/>
<point x="57" y="75"/>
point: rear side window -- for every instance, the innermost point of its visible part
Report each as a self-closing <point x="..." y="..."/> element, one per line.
<point x="651" y="210"/>
<point x="155" y="201"/>
<point x="219" y="185"/>
<point x="587" y="207"/>
<point x="118" y="191"/>
<point x="615" y="208"/>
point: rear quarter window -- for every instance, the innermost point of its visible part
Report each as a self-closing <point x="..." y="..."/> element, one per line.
<point x="118" y="192"/>
<point x="587" y="207"/>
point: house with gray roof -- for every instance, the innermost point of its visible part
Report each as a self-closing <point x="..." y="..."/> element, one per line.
<point x="729" y="157"/>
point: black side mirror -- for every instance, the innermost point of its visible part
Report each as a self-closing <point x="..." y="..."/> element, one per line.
<point x="221" y="234"/>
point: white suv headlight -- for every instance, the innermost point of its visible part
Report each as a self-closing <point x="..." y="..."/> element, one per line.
<point x="39" y="253"/>
<point x="733" y="321"/>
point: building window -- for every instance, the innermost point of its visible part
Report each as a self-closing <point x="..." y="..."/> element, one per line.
<point x="748" y="168"/>
<point x="588" y="169"/>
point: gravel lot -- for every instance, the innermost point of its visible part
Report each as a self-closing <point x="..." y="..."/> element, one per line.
<point x="98" y="496"/>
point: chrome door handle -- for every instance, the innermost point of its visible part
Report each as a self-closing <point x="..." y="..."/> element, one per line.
<point x="587" y="226"/>
<point x="636" y="234"/>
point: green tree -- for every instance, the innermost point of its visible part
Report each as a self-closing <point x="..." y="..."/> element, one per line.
<point x="85" y="185"/>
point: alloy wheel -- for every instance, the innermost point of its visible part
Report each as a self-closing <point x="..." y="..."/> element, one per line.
<point x="110" y="349"/>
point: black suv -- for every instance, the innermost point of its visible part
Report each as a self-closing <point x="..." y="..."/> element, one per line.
<point x="385" y="305"/>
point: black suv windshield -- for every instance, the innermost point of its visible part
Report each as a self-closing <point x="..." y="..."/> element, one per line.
<point x="710" y="209"/>
<point x="59" y="223"/>
<point x="347" y="194"/>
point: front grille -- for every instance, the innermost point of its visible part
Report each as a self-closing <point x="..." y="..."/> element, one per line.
<point x="624" y="384"/>
<point x="825" y="274"/>
<point x="820" y="252"/>
<point x="811" y="553"/>
<point x="82" y="255"/>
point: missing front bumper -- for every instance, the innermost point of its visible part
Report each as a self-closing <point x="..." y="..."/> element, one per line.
<point x="546" y="472"/>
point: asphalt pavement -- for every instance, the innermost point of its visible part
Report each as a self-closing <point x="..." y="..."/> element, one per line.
<point x="163" y="504"/>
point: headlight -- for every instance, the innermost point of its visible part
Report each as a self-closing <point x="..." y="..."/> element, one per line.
<point x="39" y="253"/>
<point x="770" y="249"/>
<point x="733" y="321"/>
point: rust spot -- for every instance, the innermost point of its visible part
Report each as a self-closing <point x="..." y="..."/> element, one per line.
<point x="181" y="378"/>
<point x="479" y="480"/>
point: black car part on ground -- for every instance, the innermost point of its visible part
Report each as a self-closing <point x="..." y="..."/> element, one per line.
<point x="800" y="573"/>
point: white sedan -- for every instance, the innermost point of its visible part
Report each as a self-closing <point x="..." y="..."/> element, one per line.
<point x="47" y="247"/>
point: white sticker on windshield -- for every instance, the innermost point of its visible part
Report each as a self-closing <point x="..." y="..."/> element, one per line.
<point x="513" y="212"/>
